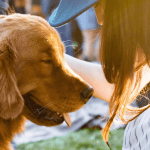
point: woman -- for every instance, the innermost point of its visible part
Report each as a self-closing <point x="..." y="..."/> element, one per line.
<point x="125" y="60"/>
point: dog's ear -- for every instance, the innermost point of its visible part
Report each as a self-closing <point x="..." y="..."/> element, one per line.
<point x="11" y="101"/>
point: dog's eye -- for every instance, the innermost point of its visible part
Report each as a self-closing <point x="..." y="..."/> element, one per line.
<point x="48" y="61"/>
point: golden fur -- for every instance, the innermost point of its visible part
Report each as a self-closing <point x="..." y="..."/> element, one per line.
<point x="32" y="67"/>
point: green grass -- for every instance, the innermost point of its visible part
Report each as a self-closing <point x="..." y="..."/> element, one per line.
<point x="85" y="139"/>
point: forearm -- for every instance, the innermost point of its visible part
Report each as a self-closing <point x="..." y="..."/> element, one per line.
<point x="92" y="74"/>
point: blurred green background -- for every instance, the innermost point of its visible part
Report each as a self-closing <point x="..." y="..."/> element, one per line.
<point x="84" y="139"/>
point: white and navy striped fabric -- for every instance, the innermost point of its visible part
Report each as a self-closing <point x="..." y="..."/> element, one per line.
<point x="137" y="133"/>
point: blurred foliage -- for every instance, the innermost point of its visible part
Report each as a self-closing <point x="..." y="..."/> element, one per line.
<point x="85" y="139"/>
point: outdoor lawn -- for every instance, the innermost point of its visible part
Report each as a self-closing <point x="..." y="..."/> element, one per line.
<point x="85" y="139"/>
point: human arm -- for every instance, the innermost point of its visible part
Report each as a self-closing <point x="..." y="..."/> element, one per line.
<point x="93" y="74"/>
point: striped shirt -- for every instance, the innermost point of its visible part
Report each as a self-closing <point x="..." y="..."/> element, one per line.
<point x="137" y="133"/>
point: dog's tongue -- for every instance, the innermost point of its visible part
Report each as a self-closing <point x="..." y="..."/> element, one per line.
<point x="67" y="119"/>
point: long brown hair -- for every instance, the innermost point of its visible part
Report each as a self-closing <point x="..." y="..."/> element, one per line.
<point x="126" y="26"/>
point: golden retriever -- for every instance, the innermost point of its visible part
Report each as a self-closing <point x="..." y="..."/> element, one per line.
<point x="35" y="81"/>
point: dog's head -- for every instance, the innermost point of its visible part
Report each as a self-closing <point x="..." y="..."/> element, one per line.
<point x="35" y="79"/>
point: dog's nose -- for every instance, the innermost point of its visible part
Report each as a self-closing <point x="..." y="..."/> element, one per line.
<point x="87" y="94"/>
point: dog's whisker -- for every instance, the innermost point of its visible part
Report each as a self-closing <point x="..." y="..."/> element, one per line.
<point x="43" y="108"/>
<point x="67" y="41"/>
<point x="52" y="109"/>
<point x="69" y="46"/>
<point x="78" y="50"/>
<point x="46" y="106"/>
<point x="66" y="46"/>
<point x="64" y="105"/>
<point x="56" y="103"/>
<point x="57" y="112"/>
